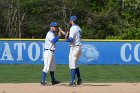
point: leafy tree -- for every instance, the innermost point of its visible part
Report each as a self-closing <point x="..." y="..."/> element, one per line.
<point x="99" y="19"/>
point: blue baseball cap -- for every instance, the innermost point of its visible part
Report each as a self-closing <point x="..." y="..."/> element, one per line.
<point x="53" y="24"/>
<point x="74" y="18"/>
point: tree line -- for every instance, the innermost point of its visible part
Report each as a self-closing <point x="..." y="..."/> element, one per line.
<point x="98" y="19"/>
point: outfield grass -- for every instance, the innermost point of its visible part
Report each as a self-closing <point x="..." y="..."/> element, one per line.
<point x="89" y="73"/>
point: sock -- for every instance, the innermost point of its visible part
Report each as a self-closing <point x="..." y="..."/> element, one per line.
<point x="43" y="76"/>
<point x="78" y="73"/>
<point x="73" y="75"/>
<point x="52" y="75"/>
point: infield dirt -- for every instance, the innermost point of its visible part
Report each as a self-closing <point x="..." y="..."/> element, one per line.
<point x="63" y="88"/>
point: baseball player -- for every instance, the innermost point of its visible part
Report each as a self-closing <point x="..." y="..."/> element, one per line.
<point x="74" y="37"/>
<point x="49" y="60"/>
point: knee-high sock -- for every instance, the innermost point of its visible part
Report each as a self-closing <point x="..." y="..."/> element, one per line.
<point x="73" y="75"/>
<point x="78" y="73"/>
<point x="52" y="75"/>
<point x="44" y="76"/>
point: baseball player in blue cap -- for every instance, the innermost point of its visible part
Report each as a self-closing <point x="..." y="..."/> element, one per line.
<point x="49" y="61"/>
<point x="74" y="37"/>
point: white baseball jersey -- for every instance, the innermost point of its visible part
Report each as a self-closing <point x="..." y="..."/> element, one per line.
<point x="48" y="44"/>
<point x="49" y="59"/>
<point x="75" y="34"/>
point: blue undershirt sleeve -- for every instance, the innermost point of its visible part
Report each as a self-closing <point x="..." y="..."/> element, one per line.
<point x="70" y="39"/>
<point x="55" y="39"/>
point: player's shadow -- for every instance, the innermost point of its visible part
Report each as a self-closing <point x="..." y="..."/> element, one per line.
<point x="84" y="84"/>
<point x="96" y="84"/>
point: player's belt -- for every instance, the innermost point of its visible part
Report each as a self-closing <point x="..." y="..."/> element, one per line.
<point x="50" y="50"/>
<point x="77" y="45"/>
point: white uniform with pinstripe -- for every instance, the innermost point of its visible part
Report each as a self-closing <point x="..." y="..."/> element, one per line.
<point x="49" y="60"/>
<point x="75" y="46"/>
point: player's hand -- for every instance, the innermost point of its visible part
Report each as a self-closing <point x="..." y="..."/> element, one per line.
<point x="59" y="33"/>
<point x="60" y="30"/>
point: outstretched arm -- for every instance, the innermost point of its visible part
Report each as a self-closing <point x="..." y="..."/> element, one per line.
<point x="60" y="30"/>
<point x="67" y="35"/>
<point x="54" y="40"/>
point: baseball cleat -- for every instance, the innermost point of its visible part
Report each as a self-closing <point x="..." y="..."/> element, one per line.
<point x="79" y="82"/>
<point x="72" y="84"/>
<point x="43" y="83"/>
<point x="56" y="82"/>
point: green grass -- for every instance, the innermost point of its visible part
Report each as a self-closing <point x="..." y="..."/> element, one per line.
<point x="89" y="73"/>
